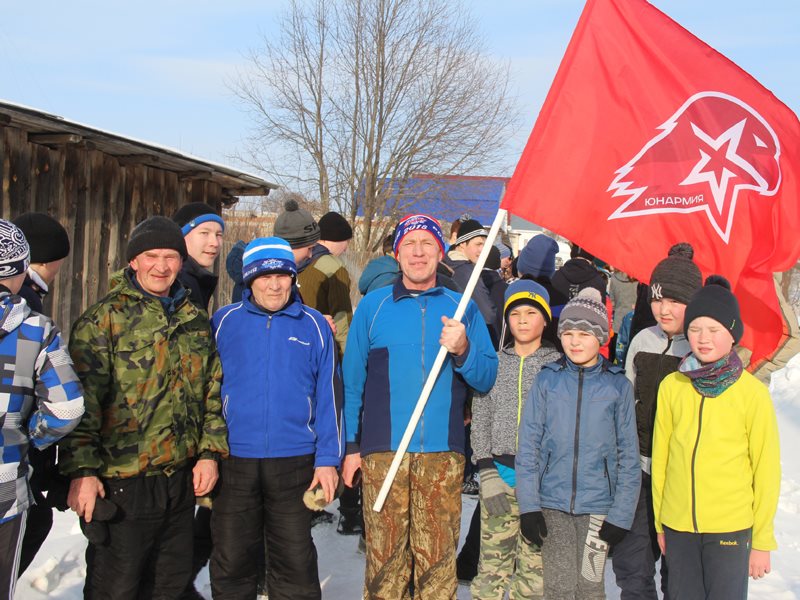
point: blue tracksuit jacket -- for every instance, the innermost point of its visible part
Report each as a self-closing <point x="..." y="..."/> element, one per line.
<point x="391" y="347"/>
<point x="281" y="389"/>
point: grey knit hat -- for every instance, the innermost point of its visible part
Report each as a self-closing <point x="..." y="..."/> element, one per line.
<point x="676" y="277"/>
<point x="296" y="226"/>
<point x="15" y="255"/>
<point x="585" y="312"/>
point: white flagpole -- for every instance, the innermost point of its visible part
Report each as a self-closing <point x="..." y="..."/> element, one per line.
<point x="437" y="366"/>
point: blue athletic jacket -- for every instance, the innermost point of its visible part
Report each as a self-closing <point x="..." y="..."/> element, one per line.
<point x="281" y="389"/>
<point x="578" y="447"/>
<point x="391" y="347"/>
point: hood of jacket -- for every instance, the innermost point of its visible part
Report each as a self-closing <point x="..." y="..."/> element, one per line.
<point x="317" y="251"/>
<point x="576" y="274"/>
<point x="383" y="266"/>
<point x="14" y="311"/>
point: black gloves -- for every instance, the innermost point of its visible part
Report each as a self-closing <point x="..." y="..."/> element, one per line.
<point x="96" y="531"/>
<point x="533" y="527"/>
<point x="611" y="534"/>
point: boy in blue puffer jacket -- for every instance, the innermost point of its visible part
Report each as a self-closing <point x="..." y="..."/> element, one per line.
<point x="577" y="464"/>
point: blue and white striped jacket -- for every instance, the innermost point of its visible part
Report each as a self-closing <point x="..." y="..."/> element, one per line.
<point x="41" y="399"/>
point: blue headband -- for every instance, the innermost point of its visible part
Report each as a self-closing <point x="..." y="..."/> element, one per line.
<point x="202" y="219"/>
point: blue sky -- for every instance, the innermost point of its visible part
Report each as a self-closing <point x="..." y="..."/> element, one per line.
<point x="158" y="71"/>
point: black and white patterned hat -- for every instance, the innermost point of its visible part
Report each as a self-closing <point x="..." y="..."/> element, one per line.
<point x="14" y="251"/>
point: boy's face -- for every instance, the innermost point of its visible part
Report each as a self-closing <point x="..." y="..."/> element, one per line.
<point x="204" y="243"/>
<point x="581" y="347"/>
<point x="526" y="323"/>
<point x="472" y="248"/>
<point x="709" y="340"/>
<point x="669" y="315"/>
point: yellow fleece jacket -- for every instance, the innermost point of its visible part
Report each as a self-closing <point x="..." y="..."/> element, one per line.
<point x="716" y="461"/>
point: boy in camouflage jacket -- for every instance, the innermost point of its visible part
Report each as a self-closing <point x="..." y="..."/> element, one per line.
<point x="506" y="562"/>
<point x="153" y="429"/>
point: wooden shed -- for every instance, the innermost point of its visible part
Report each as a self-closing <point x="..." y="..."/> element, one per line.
<point x="99" y="185"/>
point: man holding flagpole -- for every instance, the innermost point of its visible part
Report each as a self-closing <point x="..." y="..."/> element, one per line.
<point x="394" y="338"/>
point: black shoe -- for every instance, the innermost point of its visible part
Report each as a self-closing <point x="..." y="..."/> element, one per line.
<point x="349" y="526"/>
<point x="321" y="516"/>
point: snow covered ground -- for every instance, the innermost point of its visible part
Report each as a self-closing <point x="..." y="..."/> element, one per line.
<point x="59" y="569"/>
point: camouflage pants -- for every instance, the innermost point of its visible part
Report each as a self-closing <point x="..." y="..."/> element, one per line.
<point x="507" y="562"/>
<point x="419" y="524"/>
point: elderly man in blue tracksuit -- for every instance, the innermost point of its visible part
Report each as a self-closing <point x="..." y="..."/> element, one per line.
<point x="394" y="339"/>
<point x="282" y="399"/>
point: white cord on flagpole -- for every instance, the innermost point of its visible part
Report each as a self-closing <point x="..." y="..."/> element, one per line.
<point x="437" y="365"/>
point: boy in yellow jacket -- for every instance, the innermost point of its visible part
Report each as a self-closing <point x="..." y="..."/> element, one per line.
<point x="716" y="459"/>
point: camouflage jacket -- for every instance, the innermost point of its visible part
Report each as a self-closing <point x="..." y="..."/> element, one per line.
<point x="151" y="387"/>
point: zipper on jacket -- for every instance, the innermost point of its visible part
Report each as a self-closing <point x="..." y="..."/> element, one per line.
<point x="544" y="471"/>
<point x="519" y="401"/>
<point x="266" y="404"/>
<point x="694" y="460"/>
<point x="577" y="442"/>
<point x="608" y="477"/>
<point x="424" y="377"/>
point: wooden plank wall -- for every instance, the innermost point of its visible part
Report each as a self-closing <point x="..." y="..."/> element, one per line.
<point x="96" y="200"/>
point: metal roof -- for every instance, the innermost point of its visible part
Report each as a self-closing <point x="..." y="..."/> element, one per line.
<point x="447" y="197"/>
<point x="53" y="130"/>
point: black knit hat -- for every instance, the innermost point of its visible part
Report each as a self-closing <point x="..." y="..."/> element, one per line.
<point x="155" y="233"/>
<point x="296" y="226"/>
<point x="677" y="276"/>
<point x="470" y="229"/>
<point x="576" y="251"/>
<point x="191" y="215"/>
<point x="333" y="227"/>
<point x="716" y="300"/>
<point x="46" y="237"/>
<point x="493" y="259"/>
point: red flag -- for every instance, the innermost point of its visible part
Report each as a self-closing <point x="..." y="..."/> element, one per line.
<point x="649" y="137"/>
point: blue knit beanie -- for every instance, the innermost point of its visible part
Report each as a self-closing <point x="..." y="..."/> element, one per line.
<point x="267" y="255"/>
<point x="538" y="257"/>
<point x="415" y="222"/>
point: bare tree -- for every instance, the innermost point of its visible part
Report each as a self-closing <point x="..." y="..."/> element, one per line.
<point x="353" y="97"/>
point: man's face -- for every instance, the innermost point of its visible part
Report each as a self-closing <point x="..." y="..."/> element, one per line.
<point x="419" y="255"/>
<point x="156" y="270"/>
<point x="301" y="254"/>
<point x="204" y="243"/>
<point x="272" y="291"/>
<point x="669" y="315"/>
<point x="472" y="248"/>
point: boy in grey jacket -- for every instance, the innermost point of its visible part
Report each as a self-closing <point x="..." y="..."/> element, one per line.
<point x="577" y="465"/>
<point x="506" y="562"/>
